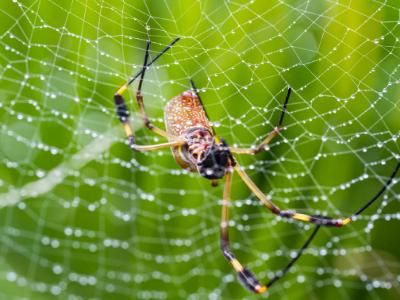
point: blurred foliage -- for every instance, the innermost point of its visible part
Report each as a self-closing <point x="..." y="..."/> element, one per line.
<point x="125" y="225"/>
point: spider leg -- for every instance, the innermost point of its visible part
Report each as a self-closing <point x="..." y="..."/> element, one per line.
<point x="247" y="278"/>
<point x="139" y="99"/>
<point x="274" y="133"/>
<point x="124" y="87"/>
<point x="156" y="146"/>
<point x="323" y="221"/>
<point x="123" y="113"/>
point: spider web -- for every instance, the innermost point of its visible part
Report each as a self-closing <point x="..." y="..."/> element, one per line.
<point x="82" y="217"/>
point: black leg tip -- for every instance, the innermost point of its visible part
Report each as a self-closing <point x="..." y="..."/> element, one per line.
<point x="192" y="84"/>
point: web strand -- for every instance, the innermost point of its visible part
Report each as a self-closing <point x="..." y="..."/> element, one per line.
<point x="83" y="216"/>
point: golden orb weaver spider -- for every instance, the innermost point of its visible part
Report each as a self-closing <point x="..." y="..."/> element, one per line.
<point x="197" y="148"/>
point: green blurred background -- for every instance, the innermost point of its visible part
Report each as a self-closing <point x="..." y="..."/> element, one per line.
<point x="82" y="217"/>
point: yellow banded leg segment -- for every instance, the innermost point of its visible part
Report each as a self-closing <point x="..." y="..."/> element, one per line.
<point x="301" y="217"/>
<point x="250" y="281"/>
<point x="128" y="130"/>
<point x="324" y="221"/>
<point x="122" y="89"/>
<point x="123" y="115"/>
<point x="346" y="221"/>
<point x="247" y="278"/>
<point x="261" y="289"/>
<point x="236" y="265"/>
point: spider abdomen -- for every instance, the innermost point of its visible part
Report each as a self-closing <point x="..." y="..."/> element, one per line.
<point x="184" y="112"/>
<point x="185" y="117"/>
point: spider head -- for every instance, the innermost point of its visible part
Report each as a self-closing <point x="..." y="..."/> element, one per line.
<point x="215" y="160"/>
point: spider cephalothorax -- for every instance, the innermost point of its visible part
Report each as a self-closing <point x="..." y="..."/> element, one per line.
<point x="215" y="160"/>
<point x="208" y="154"/>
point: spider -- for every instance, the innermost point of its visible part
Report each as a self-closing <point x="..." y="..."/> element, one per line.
<point x="197" y="148"/>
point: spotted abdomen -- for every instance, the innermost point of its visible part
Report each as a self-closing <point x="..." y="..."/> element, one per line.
<point x="183" y="113"/>
<point x="185" y="117"/>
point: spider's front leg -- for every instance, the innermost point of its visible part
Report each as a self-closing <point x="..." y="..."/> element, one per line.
<point x="139" y="99"/>
<point x="123" y="113"/>
<point x="274" y="133"/>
